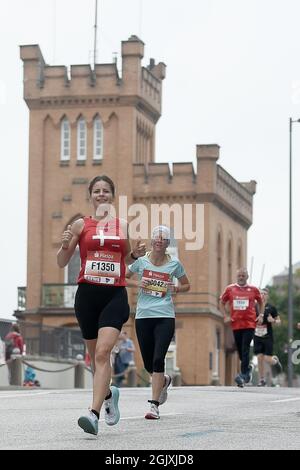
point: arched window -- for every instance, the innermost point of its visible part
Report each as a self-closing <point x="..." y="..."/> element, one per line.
<point x="65" y="146"/>
<point x="81" y="139"/>
<point x="98" y="139"/>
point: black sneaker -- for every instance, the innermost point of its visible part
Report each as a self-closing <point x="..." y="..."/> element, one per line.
<point x="248" y="377"/>
<point x="276" y="368"/>
<point x="239" y="381"/>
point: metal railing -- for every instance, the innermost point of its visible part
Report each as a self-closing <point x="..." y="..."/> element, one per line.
<point x="57" y="342"/>
<point x="53" y="296"/>
<point x="58" y="295"/>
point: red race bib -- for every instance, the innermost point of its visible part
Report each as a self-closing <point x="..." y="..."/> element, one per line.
<point x="157" y="283"/>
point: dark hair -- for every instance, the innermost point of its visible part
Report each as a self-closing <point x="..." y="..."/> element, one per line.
<point x="102" y="178"/>
<point x="15" y="328"/>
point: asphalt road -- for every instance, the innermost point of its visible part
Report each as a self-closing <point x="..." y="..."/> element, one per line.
<point x="192" y="418"/>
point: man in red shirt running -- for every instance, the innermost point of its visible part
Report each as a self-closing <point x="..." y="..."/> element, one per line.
<point x="242" y="298"/>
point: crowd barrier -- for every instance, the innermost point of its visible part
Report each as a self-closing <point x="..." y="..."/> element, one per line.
<point x="77" y="374"/>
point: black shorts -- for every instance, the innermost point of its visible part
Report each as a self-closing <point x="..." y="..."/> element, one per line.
<point x="100" y="306"/>
<point x="263" y="345"/>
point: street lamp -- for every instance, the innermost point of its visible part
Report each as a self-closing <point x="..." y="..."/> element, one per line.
<point x="290" y="282"/>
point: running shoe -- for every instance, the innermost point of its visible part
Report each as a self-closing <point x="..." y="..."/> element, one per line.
<point x="112" y="413"/>
<point x="277" y="367"/>
<point x="164" y="393"/>
<point x="89" y="423"/>
<point x="239" y="381"/>
<point x="248" y="377"/>
<point x="153" y="413"/>
<point x="262" y="383"/>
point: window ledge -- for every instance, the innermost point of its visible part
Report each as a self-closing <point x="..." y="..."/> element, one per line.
<point x="64" y="163"/>
<point x="80" y="162"/>
<point x="97" y="162"/>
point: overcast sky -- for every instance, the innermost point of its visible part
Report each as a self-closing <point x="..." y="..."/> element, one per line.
<point x="233" y="78"/>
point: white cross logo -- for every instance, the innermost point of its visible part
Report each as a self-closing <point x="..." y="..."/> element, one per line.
<point x="102" y="237"/>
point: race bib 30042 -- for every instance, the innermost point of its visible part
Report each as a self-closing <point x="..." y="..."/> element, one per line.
<point x="157" y="283"/>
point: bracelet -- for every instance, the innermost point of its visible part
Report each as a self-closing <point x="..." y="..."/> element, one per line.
<point x="134" y="257"/>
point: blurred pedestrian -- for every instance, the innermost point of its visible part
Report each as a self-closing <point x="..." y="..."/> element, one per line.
<point x="124" y="356"/>
<point x="14" y="344"/>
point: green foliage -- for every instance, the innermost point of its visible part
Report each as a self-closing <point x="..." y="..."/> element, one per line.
<point x="279" y="298"/>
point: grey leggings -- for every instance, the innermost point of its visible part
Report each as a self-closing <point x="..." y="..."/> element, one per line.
<point x="154" y="336"/>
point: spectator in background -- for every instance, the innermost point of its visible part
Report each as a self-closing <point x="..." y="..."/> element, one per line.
<point x="2" y="352"/>
<point x="29" y="378"/>
<point x="14" y="344"/>
<point x="124" y="357"/>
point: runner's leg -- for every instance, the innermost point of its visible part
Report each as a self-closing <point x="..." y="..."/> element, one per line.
<point x="107" y="338"/>
<point x="163" y="334"/>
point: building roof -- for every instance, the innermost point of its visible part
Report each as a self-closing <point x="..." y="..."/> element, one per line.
<point x="285" y="272"/>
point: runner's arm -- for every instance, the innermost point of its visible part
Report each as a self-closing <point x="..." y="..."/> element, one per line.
<point x="261" y="309"/>
<point x="134" y="282"/>
<point x="131" y="282"/>
<point x="138" y="249"/>
<point x="184" y="284"/>
<point x="277" y="320"/>
<point x="222" y="307"/>
<point x="70" y="239"/>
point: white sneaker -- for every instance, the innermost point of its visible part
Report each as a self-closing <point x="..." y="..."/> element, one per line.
<point x="112" y="413"/>
<point x="153" y="413"/>
<point x="277" y="367"/>
<point x="89" y="423"/>
<point x="164" y="393"/>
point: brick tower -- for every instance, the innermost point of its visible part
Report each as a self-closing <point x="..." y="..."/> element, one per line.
<point x="92" y="122"/>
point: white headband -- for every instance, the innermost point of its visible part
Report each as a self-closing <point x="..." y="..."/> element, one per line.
<point x="161" y="229"/>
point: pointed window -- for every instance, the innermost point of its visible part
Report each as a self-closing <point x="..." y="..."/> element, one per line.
<point x="81" y="139"/>
<point x="98" y="139"/>
<point x="65" y="149"/>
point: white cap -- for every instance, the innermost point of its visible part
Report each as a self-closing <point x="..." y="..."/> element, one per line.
<point x="161" y="229"/>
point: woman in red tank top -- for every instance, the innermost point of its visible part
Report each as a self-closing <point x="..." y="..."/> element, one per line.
<point x="101" y="303"/>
